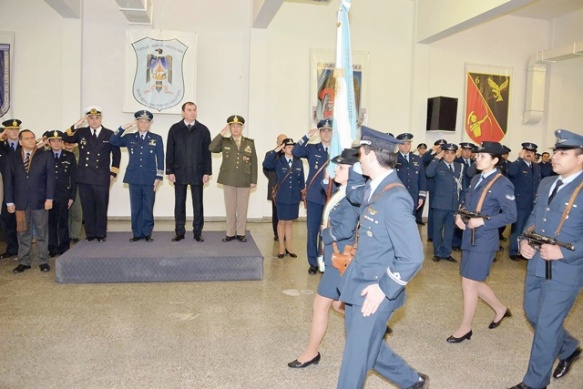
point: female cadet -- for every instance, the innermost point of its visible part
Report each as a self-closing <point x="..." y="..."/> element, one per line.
<point x="341" y="218"/>
<point x="490" y="194"/>
<point x="287" y="192"/>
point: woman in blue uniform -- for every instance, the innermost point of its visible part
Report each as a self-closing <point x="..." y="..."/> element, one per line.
<point x="498" y="203"/>
<point x="290" y="182"/>
<point x="340" y="218"/>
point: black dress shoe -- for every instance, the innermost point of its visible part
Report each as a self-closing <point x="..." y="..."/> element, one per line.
<point x="294" y="255"/>
<point x="198" y="238"/>
<point x="503" y="239"/>
<point x="524" y="386"/>
<point x="276" y="238"/>
<point x="228" y="238"/>
<point x="45" y="268"/>
<point x="313" y="270"/>
<point x="178" y="237"/>
<point x="280" y="255"/>
<point x="101" y="239"/>
<point x="241" y="238"/>
<point x="495" y="324"/>
<point x="90" y="238"/>
<point x="420" y="223"/>
<point x="52" y="255"/>
<point x="299" y="365"/>
<point x="565" y="364"/>
<point x="453" y="339"/>
<point x="75" y="240"/>
<point x="135" y="239"/>
<point x="429" y="240"/>
<point x="450" y="259"/>
<point x="516" y="257"/>
<point x="6" y="255"/>
<point x="423" y="382"/>
<point x="149" y="239"/>
<point x="388" y="330"/>
<point x="500" y="248"/>
<point x="20" y="268"/>
<point x="436" y="258"/>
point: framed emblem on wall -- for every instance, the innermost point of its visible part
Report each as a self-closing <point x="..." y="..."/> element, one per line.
<point x="6" y="50"/>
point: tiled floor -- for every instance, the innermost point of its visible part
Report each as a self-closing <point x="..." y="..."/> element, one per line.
<point x="242" y="334"/>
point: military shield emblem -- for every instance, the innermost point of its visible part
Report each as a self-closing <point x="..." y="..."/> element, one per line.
<point x="159" y="81"/>
<point x="4" y="78"/>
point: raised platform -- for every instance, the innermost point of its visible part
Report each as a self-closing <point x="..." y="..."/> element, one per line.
<point x="118" y="260"/>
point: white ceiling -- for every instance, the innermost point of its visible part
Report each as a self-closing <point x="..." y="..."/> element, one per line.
<point x="549" y="9"/>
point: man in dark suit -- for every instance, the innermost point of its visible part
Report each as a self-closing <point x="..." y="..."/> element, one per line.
<point x="411" y="171"/>
<point x="271" y="183"/>
<point x="65" y="193"/>
<point x="389" y="255"/>
<point x="546" y="166"/>
<point x="94" y="175"/>
<point x="548" y="301"/>
<point x="188" y="162"/>
<point x="30" y="188"/>
<point x="8" y="144"/>
<point x="525" y="175"/>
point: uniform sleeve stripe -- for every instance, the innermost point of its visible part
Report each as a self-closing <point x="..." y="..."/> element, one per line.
<point x="395" y="277"/>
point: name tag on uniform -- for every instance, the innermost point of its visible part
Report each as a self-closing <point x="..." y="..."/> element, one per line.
<point x="227" y="148"/>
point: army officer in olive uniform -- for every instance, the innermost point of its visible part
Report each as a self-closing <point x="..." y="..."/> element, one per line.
<point x="144" y="172"/>
<point x="238" y="174"/>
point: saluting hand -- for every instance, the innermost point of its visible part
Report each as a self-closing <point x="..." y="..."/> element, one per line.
<point x="312" y="132"/>
<point x="81" y="121"/>
<point x="374" y="298"/>
<point x="130" y="125"/>
<point x="226" y="131"/>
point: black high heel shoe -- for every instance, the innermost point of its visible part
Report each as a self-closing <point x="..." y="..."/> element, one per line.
<point x="293" y="255"/>
<point x="453" y="339"/>
<point x="280" y="255"/>
<point x="299" y="365"/>
<point x="495" y="324"/>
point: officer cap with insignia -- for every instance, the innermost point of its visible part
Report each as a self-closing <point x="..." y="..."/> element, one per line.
<point x="46" y="133"/>
<point x="507" y="149"/>
<point x="406" y="137"/>
<point x="529" y="146"/>
<point x="449" y="147"/>
<point x="567" y="140"/>
<point x="467" y="145"/>
<point x="93" y="111"/>
<point x="439" y="142"/>
<point x="378" y="140"/>
<point x="348" y="157"/>
<point x="288" y="142"/>
<point x="325" y="124"/>
<point x="421" y="146"/>
<point x="236" y="119"/>
<point x="492" y="148"/>
<point x="54" y="134"/>
<point x="11" y="124"/>
<point x="143" y="114"/>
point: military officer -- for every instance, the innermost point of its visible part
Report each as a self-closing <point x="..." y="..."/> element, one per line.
<point x="75" y="211"/>
<point x="65" y="194"/>
<point x="317" y="155"/>
<point x="9" y="144"/>
<point x="525" y="175"/>
<point x="238" y="174"/>
<point x="427" y="158"/>
<point x="411" y="171"/>
<point x="271" y="183"/>
<point x="547" y="302"/>
<point x="546" y="166"/>
<point x="94" y="174"/>
<point x="447" y="176"/>
<point x="144" y="172"/>
<point x="389" y="254"/>
<point x="465" y="158"/>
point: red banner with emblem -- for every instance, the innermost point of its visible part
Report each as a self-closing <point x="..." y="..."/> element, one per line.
<point x="487" y="98"/>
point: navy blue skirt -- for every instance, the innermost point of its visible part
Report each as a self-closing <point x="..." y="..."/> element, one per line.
<point x="476" y="265"/>
<point x="328" y="286"/>
<point x="287" y="211"/>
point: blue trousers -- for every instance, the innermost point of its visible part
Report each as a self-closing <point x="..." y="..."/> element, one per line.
<point x="517" y="228"/>
<point x="442" y="232"/>
<point x="142" y="207"/>
<point x="546" y="305"/>
<point x="313" y="220"/>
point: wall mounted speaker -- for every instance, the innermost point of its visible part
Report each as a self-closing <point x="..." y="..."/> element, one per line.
<point x="441" y="113"/>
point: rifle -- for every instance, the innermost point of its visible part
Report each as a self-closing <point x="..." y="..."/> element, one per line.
<point x="466" y="216"/>
<point x="536" y="240"/>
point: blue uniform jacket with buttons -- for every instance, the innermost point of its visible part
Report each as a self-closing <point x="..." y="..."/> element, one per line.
<point x="146" y="162"/>
<point x="289" y="190"/>
<point x="500" y="197"/>
<point x="525" y="180"/>
<point x="447" y="189"/>
<point x="341" y="228"/>
<point x="546" y="219"/>
<point x="389" y="251"/>
<point x="65" y="172"/>
<point x="317" y="157"/>
<point x="412" y="175"/>
<point x="469" y="171"/>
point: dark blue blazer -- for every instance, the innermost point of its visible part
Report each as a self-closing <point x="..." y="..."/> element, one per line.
<point x="30" y="189"/>
<point x="446" y="193"/>
<point x="316" y="156"/>
<point x="65" y="173"/>
<point x="412" y="175"/>
<point x="525" y="180"/>
<point x="289" y="191"/>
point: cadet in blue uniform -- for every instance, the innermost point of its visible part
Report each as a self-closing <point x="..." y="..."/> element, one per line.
<point x="339" y="228"/>
<point x="317" y="156"/>
<point x="144" y="172"/>
<point x="65" y="194"/>
<point x="427" y="158"/>
<point x="465" y="158"/>
<point x="546" y="167"/>
<point x="421" y="151"/>
<point x="271" y="182"/>
<point x="447" y="176"/>
<point x="525" y="175"/>
<point x="290" y="182"/>
<point x="547" y="302"/>
<point x="389" y="254"/>
<point x="94" y="174"/>
<point x="411" y="171"/>
<point x="496" y="194"/>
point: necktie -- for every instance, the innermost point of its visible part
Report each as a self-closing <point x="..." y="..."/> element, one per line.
<point x="143" y="136"/>
<point x="290" y="162"/>
<point x="480" y="180"/>
<point x="450" y="168"/>
<point x="367" y="192"/>
<point x="555" y="190"/>
<point x="13" y="146"/>
<point x="27" y="162"/>
<point x="407" y="157"/>
<point x="94" y="134"/>
<point x="56" y="155"/>
<point x="189" y="126"/>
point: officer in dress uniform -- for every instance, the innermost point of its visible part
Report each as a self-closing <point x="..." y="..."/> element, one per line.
<point x="65" y="193"/>
<point x="9" y="144"/>
<point x="466" y="149"/>
<point x="525" y="175"/>
<point x="421" y="151"/>
<point x="144" y="172"/>
<point x="94" y="174"/>
<point x="447" y="176"/>
<point x="547" y="302"/>
<point x="238" y="174"/>
<point x="411" y="171"/>
<point x="271" y="182"/>
<point x="546" y="167"/>
<point x="427" y="158"/>
<point x="389" y="254"/>
<point x="317" y="155"/>
<point x="75" y="211"/>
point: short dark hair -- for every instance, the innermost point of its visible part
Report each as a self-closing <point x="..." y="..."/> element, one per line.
<point x="545" y="153"/>
<point x="23" y="131"/>
<point x="188" y="103"/>
<point x="384" y="157"/>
